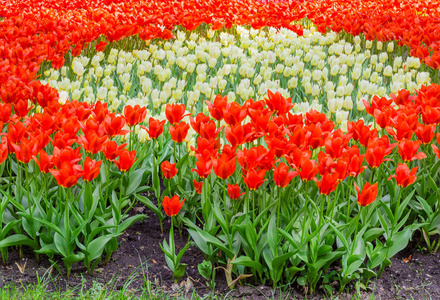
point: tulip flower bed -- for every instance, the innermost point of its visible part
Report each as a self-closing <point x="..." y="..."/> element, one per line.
<point x="290" y="153"/>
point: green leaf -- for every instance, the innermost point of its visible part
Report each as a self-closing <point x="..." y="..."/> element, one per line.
<point x="400" y="241"/>
<point x="156" y="182"/>
<point x="179" y="271"/>
<point x="216" y="242"/>
<point x="61" y="244"/>
<point x="135" y="180"/>
<point x="16" y="240"/>
<point x="353" y="264"/>
<point x="51" y="226"/>
<point x="74" y="258"/>
<point x="150" y="205"/>
<point x="372" y="234"/>
<point x="201" y="243"/>
<point x="96" y="247"/>
<point x="247" y="262"/>
<point x="339" y="234"/>
<point x="182" y="252"/>
<point x="272" y="235"/>
<point x="5" y="230"/>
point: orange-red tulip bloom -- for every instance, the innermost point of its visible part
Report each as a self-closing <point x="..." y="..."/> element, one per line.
<point x="168" y="169"/>
<point x="178" y="132"/>
<point x="216" y="108"/>
<point x="425" y="133"/>
<point x="45" y="162"/>
<point x="126" y="160"/>
<point x="368" y="194"/>
<point x="92" y="143"/>
<point x="277" y="103"/>
<point x="254" y="179"/>
<point x="113" y="150"/>
<point x="224" y="167"/>
<point x="68" y="175"/>
<point x="403" y="176"/>
<point x="172" y="206"/>
<point x="175" y="113"/>
<point x="408" y="150"/>
<point x="134" y="115"/>
<point x="282" y="176"/>
<point x="234" y="191"/>
<point x="155" y="128"/>
<point x="198" y="186"/>
<point x="203" y="168"/>
<point x="307" y="170"/>
<point x="113" y="125"/>
<point x="328" y="183"/>
<point x="91" y="169"/>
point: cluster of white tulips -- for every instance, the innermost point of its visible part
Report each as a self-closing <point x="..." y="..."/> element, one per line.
<point x="321" y="72"/>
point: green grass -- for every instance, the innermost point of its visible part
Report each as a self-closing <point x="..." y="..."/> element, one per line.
<point x="146" y="290"/>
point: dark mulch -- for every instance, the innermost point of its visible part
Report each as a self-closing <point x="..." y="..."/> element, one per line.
<point x="419" y="278"/>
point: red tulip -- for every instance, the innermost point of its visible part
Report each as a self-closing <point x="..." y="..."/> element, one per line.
<point x="224" y="168"/>
<point x="235" y="135"/>
<point x="178" y="132"/>
<point x="100" y="46"/>
<point x="68" y="155"/>
<point x="126" y="160"/>
<point x="92" y="143"/>
<point x="377" y="149"/>
<point x="209" y="130"/>
<point x="68" y="175"/>
<point x="307" y="169"/>
<point x="277" y="103"/>
<point x="408" y="150"/>
<point x="355" y="166"/>
<point x="254" y="179"/>
<point x="5" y="112"/>
<point x="234" y="191"/>
<point x="425" y="133"/>
<point x="198" y="186"/>
<point x="216" y="108"/>
<point x="155" y="128"/>
<point x="175" y="113"/>
<point x="200" y="119"/>
<point x="282" y="176"/>
<point x="21" y="108"/>
<point x="403" y="176"/>
<point x="431" y="115"/>
<point x="234" y="113"/>
<point x="203" y="168"/>
<point x="328" y="183"/>
<point x="435" y="148"/>
<point x="45" y="162"/>
<point x="91" y="169"/>
<point x="113" y="125"/>
<point x="134" y="115"/>
<point x="113" y="150"/>
<point x="4" y="149"/>
<point x="172" y="206"/>
<point x="27" y="150"/>
<point x="168" y="169"/>
<point x="368" y="194"/>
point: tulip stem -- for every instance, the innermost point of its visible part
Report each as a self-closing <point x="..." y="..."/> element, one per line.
<point x="253" y="207"/>
<point x="279" y="207"/>
<point x="371" y="175"/>
<point x="66" y="216"/>
<point x="225" y="201"/>
<point x="350" y="186"/>
<point x="120" y="186"/>
<point x="173" y="248"/>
